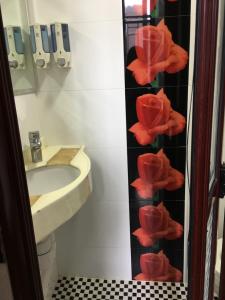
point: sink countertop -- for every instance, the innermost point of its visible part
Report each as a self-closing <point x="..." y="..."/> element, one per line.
<point x="53" y="156"/>
<point x="52" y="209"/>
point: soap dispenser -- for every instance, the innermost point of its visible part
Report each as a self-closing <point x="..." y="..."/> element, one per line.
<point x="15" y="47"/>
<point x="41" y="46"/>
<point x="61" y="44"/>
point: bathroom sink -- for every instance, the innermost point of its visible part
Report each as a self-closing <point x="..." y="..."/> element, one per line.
<point x="46" y="179"/>
<point x="58" y="186"/>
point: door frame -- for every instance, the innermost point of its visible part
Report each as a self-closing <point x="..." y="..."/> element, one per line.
<point x="222" y="275"/>
<point x="204" y="74"/>
<point x="15" y="212"/>
<point x="222" y="94"/>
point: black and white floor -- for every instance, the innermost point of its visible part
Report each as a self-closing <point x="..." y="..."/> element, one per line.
<point x="78" y="288"/>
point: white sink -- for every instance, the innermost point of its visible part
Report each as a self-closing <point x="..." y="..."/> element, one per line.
<point x="57" y="188"/>
<point x="46" y="179"/>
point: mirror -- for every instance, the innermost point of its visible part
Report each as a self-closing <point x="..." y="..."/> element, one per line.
<point x="16" y="26"/>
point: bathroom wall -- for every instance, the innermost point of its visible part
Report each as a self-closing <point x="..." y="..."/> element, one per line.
<point x="86" y="105"/>
<point x="5" y="285"/>
<point x="28" y="116"/>
<point x="219" y="53"/>
<point x="5" y="288"/>
<point x="146" y="85"/>
<point x="74" y="107"/>
<point x="222" y="202"/>
<point x="14" y="13"/>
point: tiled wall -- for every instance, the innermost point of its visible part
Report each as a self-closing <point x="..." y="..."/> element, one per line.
<point x="5" y="286"/>
<point x="14" y="13"/>
<point x="86" y="105"/>
<point x="216" y="95"/>
<point x="28" y="115"/>
<point x="157" y="36"/>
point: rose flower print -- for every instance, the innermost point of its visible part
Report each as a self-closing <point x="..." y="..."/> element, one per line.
<point x="156" y="173"/>
<point x="156" y="116"/>
<point x="142" y="9"/>
<point x="156" y="52"/>
<point x="156" y="224"/>
<point x="156" y="267"/>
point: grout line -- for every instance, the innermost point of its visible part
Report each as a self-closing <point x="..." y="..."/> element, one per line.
<point x="80" y="90"/>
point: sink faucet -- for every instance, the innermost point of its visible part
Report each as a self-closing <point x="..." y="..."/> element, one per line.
<point x="35" y="146"/>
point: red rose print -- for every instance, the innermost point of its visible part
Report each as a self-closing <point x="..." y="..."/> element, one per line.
<point x="156" y="267"/>
<point x="155" y="174"/>
<point x="156" y="52"/>
<point x="156" y="224"/>
<point x="156" y="117"/>
<point x="146" y="5"/>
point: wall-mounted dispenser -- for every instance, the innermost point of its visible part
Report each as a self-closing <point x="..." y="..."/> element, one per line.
<point x="15" y="47"/>
<point x="61" y="44"/>
<point x="41" y="46"/>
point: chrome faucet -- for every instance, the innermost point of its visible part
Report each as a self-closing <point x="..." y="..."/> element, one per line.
<point x="35" y="146"/>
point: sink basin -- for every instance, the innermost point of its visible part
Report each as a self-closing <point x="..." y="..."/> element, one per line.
<point x="59" y="186"/>
<point x="44" y="180"/>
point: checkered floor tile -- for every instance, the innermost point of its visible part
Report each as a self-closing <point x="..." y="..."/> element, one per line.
<point x="78" y="288"/>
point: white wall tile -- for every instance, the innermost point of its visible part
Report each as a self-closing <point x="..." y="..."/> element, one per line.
<point x="27" y="114"/>
<point x="109" y="174"/>
<point x="75" y="10"/>
<point x="5" y="286"/>
<point x="48" y="266"/>
<point x="107" y="263"/>
<point x="97" y="59"/>
<point x="98" y="224"/>
<point x="92" y="118"/>
<point x="86" y="105"/>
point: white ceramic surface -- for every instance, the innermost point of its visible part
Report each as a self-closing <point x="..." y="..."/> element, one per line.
<point x="97" y="59"/>
<point x="47" y="264"/>
<point x="75" y="11"/>
<point x="87" y="227"/>
<point x="98" y="262"/>
<point x="72" y="186"/>
<point x="88" y="118"/>
<point x="218" y="266"/>
<point x="86" y="104"/>
<point x="28" y="118"/>
<point x="47" y="179"/>
<point x="5" y="287"/>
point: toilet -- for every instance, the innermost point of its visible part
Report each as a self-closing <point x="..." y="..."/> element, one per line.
<point x="218" y="266"/>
